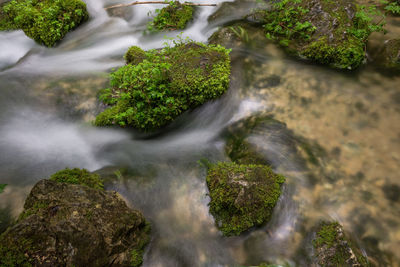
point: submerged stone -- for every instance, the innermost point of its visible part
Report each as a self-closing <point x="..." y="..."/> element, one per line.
<point x="157" y="86"/>
<point x="242" y="196"/>
<point x="47" y="22"/>
<point x="67" y="224"/>
<point x="334" y="248"/>
<point x="175" y="16"/>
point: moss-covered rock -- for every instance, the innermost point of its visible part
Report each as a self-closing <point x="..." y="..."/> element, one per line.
<point x="134" y="55"/>
<point x="333" y="248"/>
<point x="46" y="21"/>
<point x="325" y="31"/>
<point x="175" y="16"/>
<point x="242" y="196"/>
<point x="152" y="93"/>
<point x="73" y="225"/>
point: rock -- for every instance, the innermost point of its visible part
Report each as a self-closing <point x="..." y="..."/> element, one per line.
<point x="121" y="12"/>
<point x="151" y="94"/>
<point x="74" y="225"/>
<point x="327" y="32"/>
<point x="333" y="248"/>
<point x="175" y="16"/>
<point x="242" y="196"/>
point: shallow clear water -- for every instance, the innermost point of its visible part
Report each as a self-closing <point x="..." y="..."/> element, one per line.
<point x="348" y="122"/>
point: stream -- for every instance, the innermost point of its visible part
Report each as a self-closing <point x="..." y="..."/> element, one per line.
<point x="337" y="140"/>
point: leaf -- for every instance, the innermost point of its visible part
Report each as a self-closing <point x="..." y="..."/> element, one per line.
<point x="2" y="187"/>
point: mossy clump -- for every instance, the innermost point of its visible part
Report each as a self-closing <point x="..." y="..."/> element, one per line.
<point x="2" y="187"/>
<point x="45" y="21"/>
<point x="333" y="248"/>
<point x="134" y="55"/>
<point x="242" y="196"/>
<point x="152" y="93"/>
<point x="328" y="32"/>
<point x="78" y="176"/>
<point x="175" y="16"/>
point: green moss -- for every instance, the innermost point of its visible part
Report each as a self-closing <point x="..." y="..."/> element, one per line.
<point x="78" y="176"/>
<point x="343" y="56"/>
<point x="173" y="17"/>
<point x="341" y="44"/>
<point x="45" y="21"/>
<point x="242" y="196"/>
<point x="152" y="93"/>
<point x="35" y="208"/>
<point x="12" y="254"/>
<point x="134" y="55"/>
<point x="137" y="252"/>
<point x="327" y="234"/>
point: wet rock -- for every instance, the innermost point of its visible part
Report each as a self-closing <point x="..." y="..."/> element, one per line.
<point x="334" y="248"/>
<point x="392" y="192"/>
<point x="121" y="12"/>
<point x="74" y="225"/>
<point x="242" y="196"/>
<point x="391" y="53"/>
<point x="229" y="11"/>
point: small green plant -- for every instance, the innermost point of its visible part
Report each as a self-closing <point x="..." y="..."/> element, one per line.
<point x="78" y="176"/>
<point x="392" y="6"/>
<point x="45" y="21"/>
<point x="2" y="187"/>
<point x="175" y="16"/>
<point x="152" y="93"/>
<point x="240" y="32"/>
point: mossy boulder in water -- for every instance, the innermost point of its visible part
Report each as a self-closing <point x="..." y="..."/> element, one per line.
<point x="66" y="224"/>
<point x="157" y="86"/>
<point x="391" y="54"/>
<point x="333" y="248"/>
<point x="242" y="196"/>
<point x="47" y="21"/>
<point x="327" y="32"/>
<point x="175" y="16"/>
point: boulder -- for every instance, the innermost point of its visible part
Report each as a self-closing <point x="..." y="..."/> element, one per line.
<point x="66" y="224"/>
<point x="242" y="196"/>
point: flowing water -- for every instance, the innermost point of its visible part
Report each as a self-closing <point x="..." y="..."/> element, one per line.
<point x="338" y="142"/>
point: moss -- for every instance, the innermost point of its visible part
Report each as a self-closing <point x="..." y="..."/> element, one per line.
<point x="38" y="206"/>
<point x="12" y="254"/>
<point x="152" y="93"/>
<point x="334" y="248"/>
<point x="242" y="196"/>
<point x="137" y="252"/>
<point x="46" y="21"/>
<point x="78" y="176"/>
<point x="327" y="234"/>
<point x="173" y="17"/>
<point x="330" y="36"/>
<point x="134" y="55"/>
<point x="348" y="55"/>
